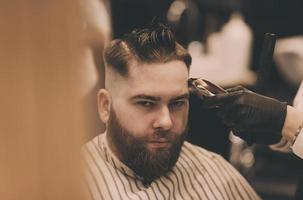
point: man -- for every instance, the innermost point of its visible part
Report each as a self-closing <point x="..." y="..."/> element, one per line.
<point x="142" y="154"/>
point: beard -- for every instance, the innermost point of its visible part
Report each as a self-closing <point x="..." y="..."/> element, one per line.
<point x="132" y="149"/>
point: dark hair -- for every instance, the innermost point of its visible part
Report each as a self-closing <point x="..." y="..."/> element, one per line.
<point x="150" y="45"/>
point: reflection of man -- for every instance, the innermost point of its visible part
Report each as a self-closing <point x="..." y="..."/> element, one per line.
<point x="145" y="105"/>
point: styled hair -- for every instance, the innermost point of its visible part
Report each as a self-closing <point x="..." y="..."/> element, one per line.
<point x="156" y="44"/>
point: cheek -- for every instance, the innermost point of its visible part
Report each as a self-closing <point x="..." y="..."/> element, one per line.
<point x="180" y="122"/>
<point x="134" y="120"/>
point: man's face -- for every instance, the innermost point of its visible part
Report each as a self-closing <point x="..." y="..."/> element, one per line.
<point x="148" y="117"/>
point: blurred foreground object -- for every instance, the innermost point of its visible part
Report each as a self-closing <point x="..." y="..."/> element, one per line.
<point x="47" y="77"/>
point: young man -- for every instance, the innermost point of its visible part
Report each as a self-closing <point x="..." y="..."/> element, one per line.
<point x="142" y="154"/>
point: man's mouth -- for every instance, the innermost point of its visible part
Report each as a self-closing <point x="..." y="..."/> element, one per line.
<point x="159" y="143"/>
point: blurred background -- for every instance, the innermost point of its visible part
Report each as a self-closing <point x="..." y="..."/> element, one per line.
<point x="51" y="69"/>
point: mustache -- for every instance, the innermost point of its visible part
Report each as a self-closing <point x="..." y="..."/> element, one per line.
<point x="168" y="135"/>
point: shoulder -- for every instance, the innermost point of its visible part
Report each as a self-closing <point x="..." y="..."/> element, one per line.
<point x="209" y="161"/>
<point x="202" y="153"/>
<point x="90" y="144"/>
<point x="215" y="167"/>
<point x="93" y="149"/>
<point x="201" y="158"/>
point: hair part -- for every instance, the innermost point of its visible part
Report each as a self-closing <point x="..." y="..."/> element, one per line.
<point x="156" y="44"/>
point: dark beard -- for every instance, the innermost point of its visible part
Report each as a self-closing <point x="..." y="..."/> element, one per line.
<point x="134" y="153"/>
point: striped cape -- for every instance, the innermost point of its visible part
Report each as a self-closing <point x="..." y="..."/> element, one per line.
<point x="198" y="174"/>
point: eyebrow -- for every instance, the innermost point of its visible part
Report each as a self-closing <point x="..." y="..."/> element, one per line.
<point x="143" y="96"/>
<point x="183" y="96"/>
<point x="153" y="98"/>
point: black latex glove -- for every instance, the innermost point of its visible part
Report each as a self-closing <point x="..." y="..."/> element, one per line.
<point x="253" y="117"/>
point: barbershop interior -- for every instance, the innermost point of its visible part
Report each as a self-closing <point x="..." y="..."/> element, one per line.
<point x="52" y="68"/>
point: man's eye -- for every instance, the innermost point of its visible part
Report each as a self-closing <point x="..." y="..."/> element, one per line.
<point x="177" y="104"/>
<point x="147" y="104"/>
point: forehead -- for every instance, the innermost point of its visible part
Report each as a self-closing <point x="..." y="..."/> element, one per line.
<point x="157" y="78"/>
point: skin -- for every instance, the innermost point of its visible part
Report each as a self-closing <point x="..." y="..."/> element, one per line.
<point x="293" y="120"/>
<point x="153" y="97"/>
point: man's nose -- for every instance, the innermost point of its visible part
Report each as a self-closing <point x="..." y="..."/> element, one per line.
<point x="163" y="119"/>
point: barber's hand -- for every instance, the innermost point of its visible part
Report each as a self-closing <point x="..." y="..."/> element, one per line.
<point x="253" y="117"/>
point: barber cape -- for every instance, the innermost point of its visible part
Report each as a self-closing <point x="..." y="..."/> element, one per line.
<point x="198" y="174"/>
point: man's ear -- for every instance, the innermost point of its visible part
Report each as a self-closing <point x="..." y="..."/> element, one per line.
<point x="104" y="101"/>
